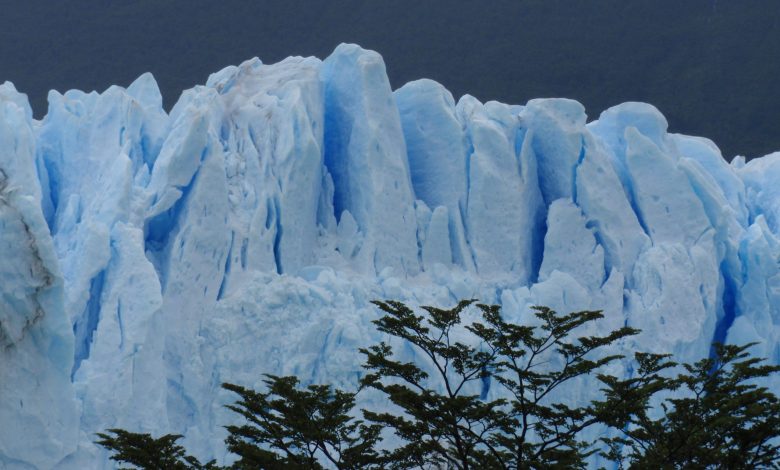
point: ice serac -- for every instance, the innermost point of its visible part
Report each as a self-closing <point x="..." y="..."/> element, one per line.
<point x="437" y="150"/>
<point x="570" y="247"/>
<point x="504" y="207"/>
<point x="558" y="143"/>
<point x="272" y="131"/>
<point x="37" y="409"/>
<point x="147" y="256"/>
<point x="756" y="314"/>
<point x="675" y="231"/>
<point x="365" y="153"/>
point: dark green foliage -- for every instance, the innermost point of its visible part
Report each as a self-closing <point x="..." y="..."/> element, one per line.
<point x="522" y="353"/>
<point x="143" y="451"/>
<point x="449" y="428"/>
<point x="289" y="427"/>
<point x="713" y="414"/>
<point x="717" y="417"/>
<point x="461" y="430"/>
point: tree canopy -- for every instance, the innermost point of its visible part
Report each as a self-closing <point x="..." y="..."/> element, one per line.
<point x="712" y="414"/>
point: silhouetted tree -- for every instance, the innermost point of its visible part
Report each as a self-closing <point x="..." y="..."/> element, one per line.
<point x="290" y="427"/>
<point x="713" y="414"/>
<point x="457" y="429"/>
<point x="718" y="415"/>
<point x="143" y="451"/>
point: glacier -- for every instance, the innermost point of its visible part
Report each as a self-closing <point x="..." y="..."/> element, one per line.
<point x="149" y="256"/>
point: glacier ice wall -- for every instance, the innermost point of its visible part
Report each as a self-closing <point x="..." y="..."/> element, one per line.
<point x="149" y="256"/>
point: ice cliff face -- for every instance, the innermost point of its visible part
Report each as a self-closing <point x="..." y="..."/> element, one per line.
<point x="147" y="257"/>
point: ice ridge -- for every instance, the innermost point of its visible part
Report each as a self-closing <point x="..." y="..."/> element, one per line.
<point x="150" y="256"/>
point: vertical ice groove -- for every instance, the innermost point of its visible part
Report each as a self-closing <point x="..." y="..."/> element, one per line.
<point x="729" y="306"/>
<point x="576" y="167"/>
<point x="463" y="205"/>
<point x="228" y="265"/>
<point x="120" y="324"/>
<point x="85" y="326"/>
<point x="277" y="222"/>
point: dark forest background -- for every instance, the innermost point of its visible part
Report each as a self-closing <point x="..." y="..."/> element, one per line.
<point x="711" y="66"/>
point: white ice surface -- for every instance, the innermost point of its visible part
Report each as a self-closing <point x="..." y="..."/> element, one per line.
<point x="147" y="257"/>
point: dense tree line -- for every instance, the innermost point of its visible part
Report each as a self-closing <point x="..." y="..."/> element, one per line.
<point x="711" y="414"/>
